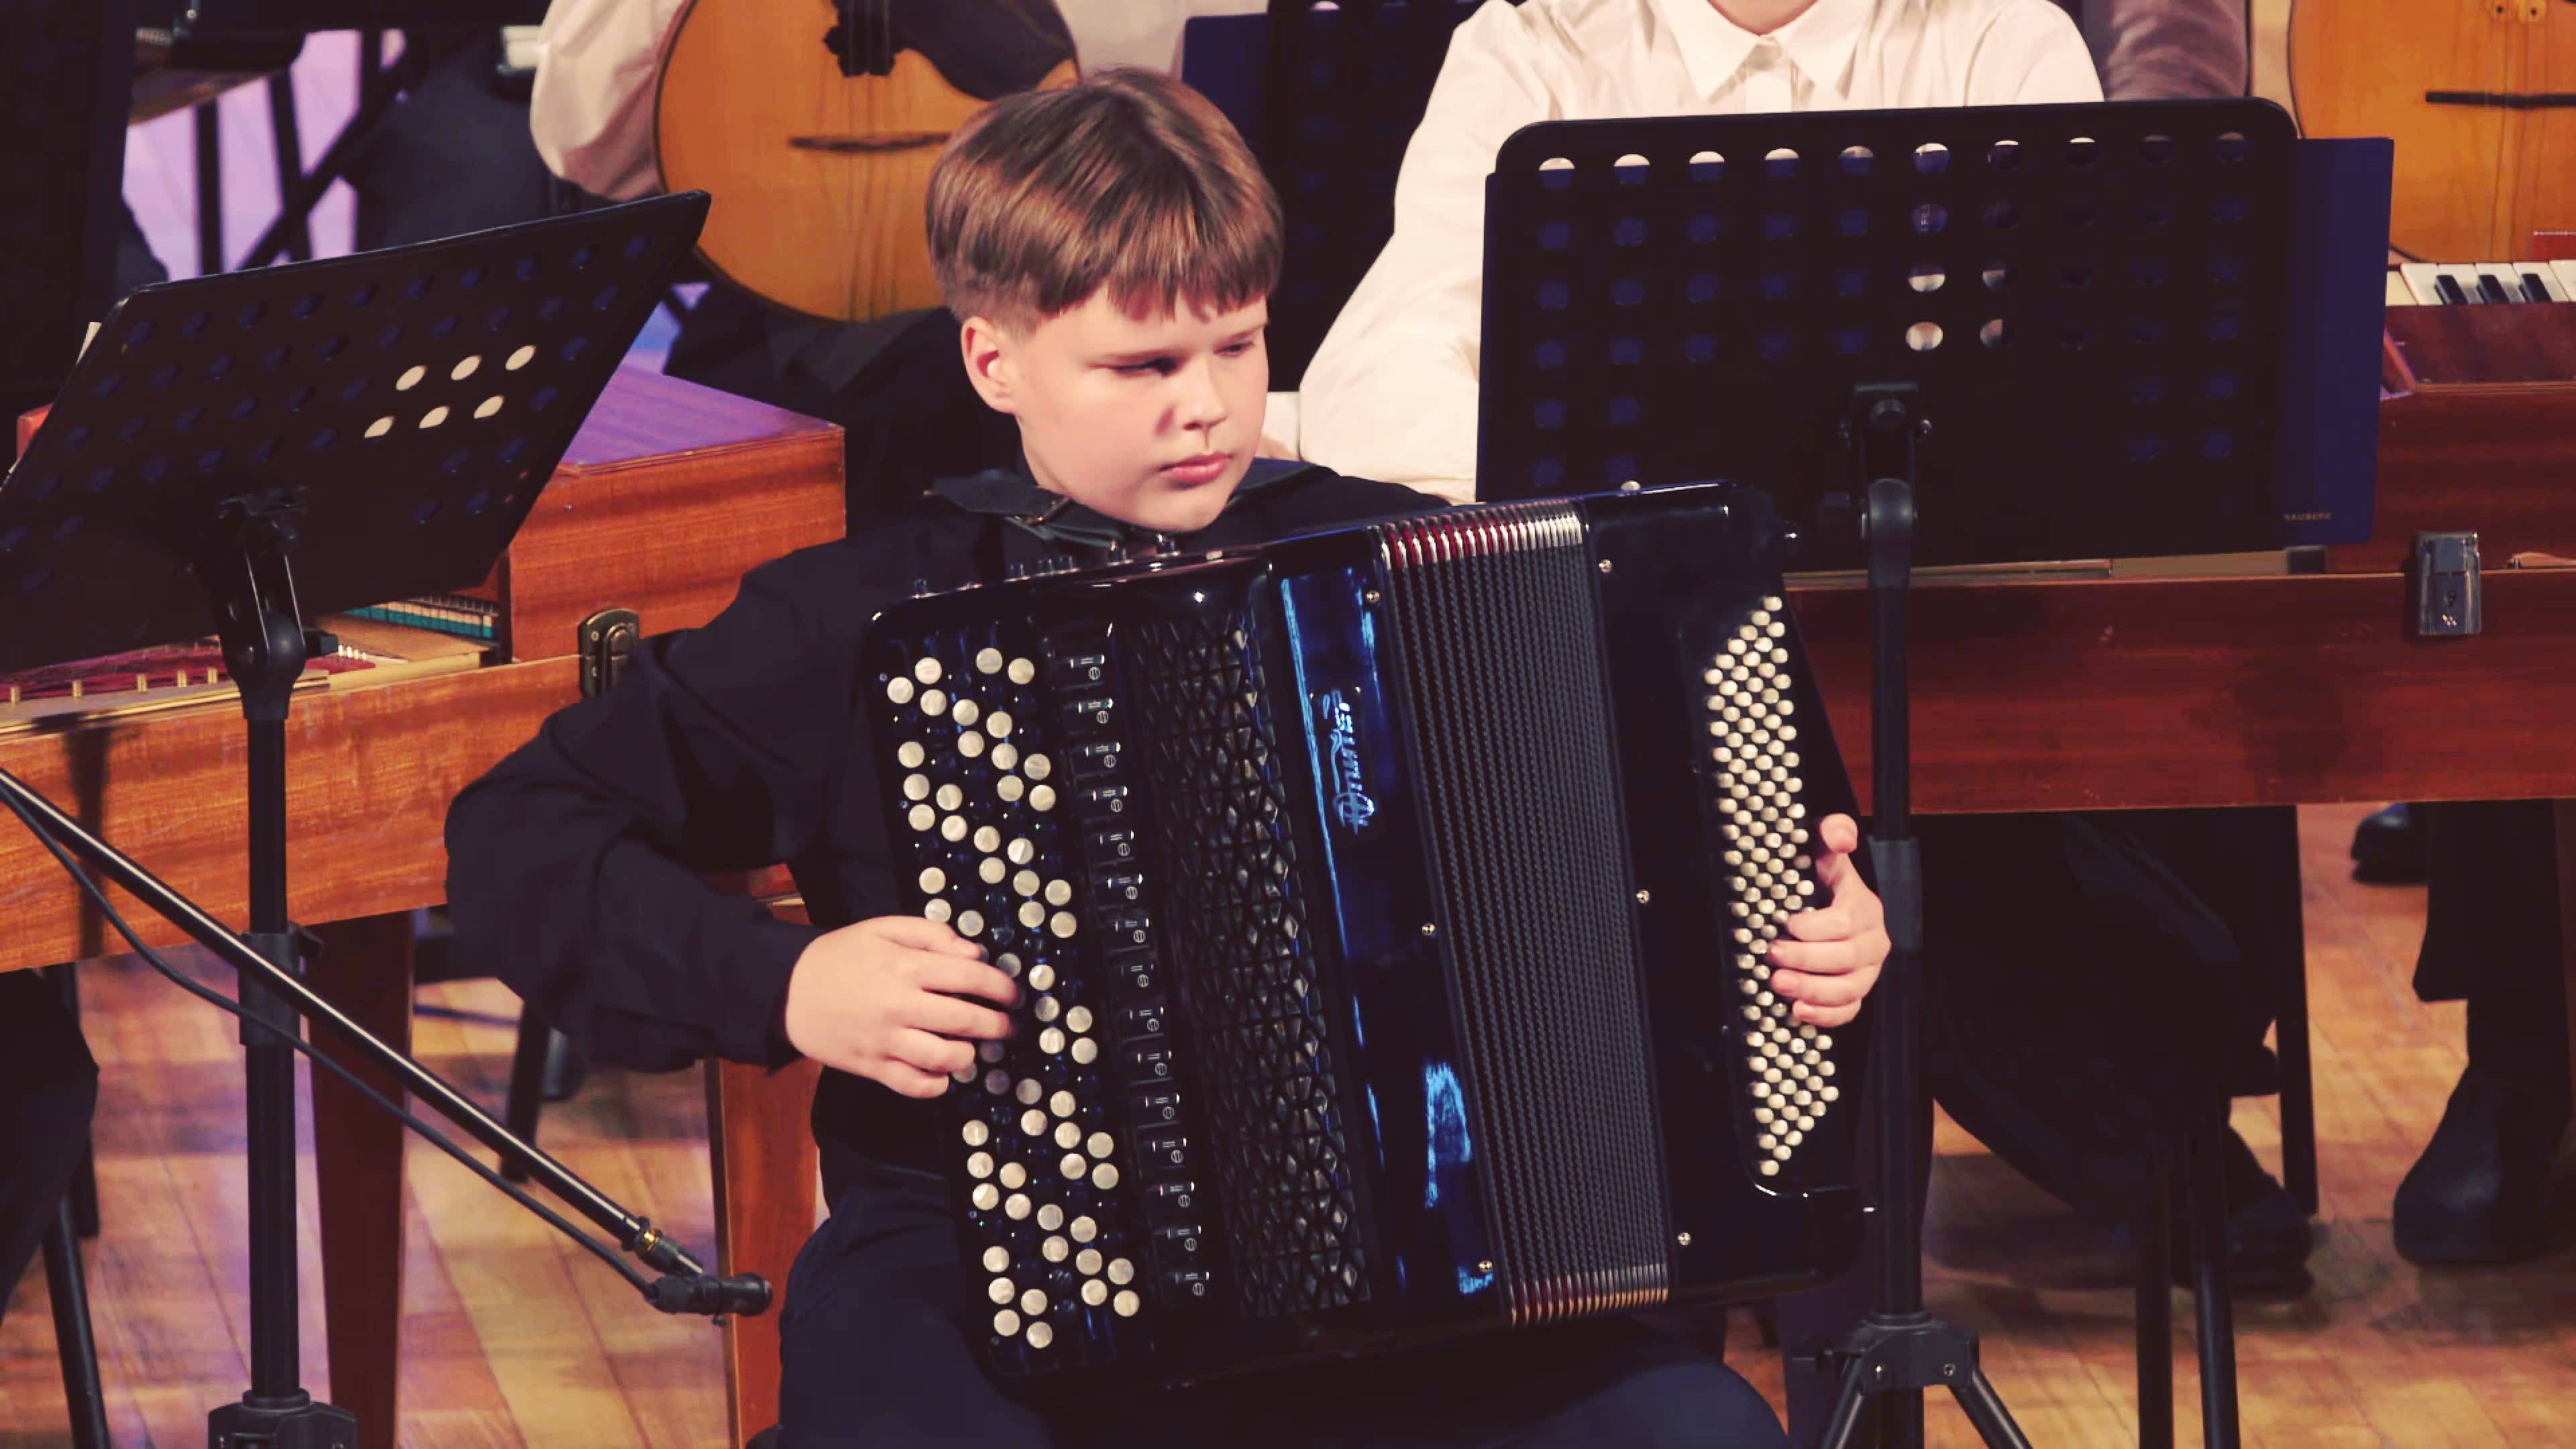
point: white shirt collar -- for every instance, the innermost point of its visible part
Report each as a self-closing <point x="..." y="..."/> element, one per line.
<point x="1819" y="43"/>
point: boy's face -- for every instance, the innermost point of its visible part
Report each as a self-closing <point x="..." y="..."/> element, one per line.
<point x="1150" y="420"/>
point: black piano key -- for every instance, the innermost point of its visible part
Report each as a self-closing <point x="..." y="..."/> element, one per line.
<point x="2448" y="289"/>
<point x="2492" y="291"/>
<point x="2533" y="288"/>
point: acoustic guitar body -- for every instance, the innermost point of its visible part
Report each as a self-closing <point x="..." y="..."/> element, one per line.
<point x="818" y="177"/>
<point x="2480" y="166"/>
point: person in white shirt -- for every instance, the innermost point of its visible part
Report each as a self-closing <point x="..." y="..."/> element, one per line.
<point x="1391" y="394"/>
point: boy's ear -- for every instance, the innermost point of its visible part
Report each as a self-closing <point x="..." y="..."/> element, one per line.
<point x="990" y="366"/>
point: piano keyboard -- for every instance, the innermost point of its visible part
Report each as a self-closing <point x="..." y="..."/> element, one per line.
<point x="2452" y="284"/>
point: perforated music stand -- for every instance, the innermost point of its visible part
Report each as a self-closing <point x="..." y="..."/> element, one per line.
<point x="243" y="450"/>
<point x="2095" y="305"/>
<point x="1343" y="87"/>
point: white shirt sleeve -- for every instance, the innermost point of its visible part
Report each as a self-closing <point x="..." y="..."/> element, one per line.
<point x="592" y="109"/>
<point x="1391" y="393"/>
<point x="2031" y="54"/>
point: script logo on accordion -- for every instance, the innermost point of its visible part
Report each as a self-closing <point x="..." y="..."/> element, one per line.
<point x="1346" y="787"/>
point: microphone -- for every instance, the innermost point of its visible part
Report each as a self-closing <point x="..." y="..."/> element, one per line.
<point x="710" y="1294"/>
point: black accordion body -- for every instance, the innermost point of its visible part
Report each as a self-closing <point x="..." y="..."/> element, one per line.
<point x="1389" y="906"/>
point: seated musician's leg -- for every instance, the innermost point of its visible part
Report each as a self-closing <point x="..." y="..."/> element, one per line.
<point x="875" y="1353"/>
<point x="2491" y="934"/>
<point x="1575" y="1386"/>
<point x="872" y="1348"/>
<point x="48" y="1089"/>
<point x="2074" y="984"/>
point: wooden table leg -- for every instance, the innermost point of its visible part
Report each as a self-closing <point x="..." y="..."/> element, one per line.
<point x="365" y="969"/>
<point x="764" y="1177"/>
<point x="2566" y="843"/>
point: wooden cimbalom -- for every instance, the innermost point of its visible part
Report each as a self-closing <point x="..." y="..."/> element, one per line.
<point x="666" y="497"/>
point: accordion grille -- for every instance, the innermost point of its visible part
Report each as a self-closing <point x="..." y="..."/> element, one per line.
<point x="1236" y="927"/>
<point x="1512" y="728"/>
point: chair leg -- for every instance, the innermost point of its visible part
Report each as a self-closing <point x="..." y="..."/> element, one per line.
<point x="83" y="1395"/>
<point x="2205" y="1184"/>
<point x="527" y="1086"/>
<point x="2154" y="1247"/>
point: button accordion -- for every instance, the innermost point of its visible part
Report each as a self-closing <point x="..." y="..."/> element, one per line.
<point x="1389" y="908"/>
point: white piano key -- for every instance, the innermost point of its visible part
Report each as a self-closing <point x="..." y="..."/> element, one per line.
<point x="2419" y="280"/>
<point x="2400" y="294"/>
<point x="2565" y="272"/>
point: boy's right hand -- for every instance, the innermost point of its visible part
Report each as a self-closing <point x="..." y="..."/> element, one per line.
<point x="882" y="999"/>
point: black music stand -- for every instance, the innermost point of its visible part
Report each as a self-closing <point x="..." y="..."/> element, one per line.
<point x="1343" y="87"/>
<point x="2098" y="307"/>
<point x="251" y="448"/>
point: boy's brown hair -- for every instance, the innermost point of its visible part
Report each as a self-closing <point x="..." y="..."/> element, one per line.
<point x="1126" y="179"/>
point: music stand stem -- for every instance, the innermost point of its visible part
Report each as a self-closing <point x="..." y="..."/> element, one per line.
<point x="1899" y="1350"/>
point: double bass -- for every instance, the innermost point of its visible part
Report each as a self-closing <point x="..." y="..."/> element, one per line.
<point x="2480" y="96"/>
<point x="814" y="125"/>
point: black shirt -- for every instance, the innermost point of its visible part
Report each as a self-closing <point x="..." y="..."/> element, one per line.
<point x="577" y="867"/>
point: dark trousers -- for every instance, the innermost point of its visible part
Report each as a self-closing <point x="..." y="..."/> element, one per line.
<point x="2080" y="971"/>
<point x="48" y="1089"/>
<point x="876" y="1350"/>
<point x="2491" y="935"/>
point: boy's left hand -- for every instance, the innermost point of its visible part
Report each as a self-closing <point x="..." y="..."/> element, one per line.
<point x="1830" y="958"/>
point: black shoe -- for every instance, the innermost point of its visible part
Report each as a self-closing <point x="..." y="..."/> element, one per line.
<point x="2479" y="1192"/>
<point x="2388" y="848"/>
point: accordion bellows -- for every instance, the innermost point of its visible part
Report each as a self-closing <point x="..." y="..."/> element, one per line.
<point x="1389" y="906"/>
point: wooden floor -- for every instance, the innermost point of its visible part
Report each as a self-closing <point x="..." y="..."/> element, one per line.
<point x="513" y="1337"/>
